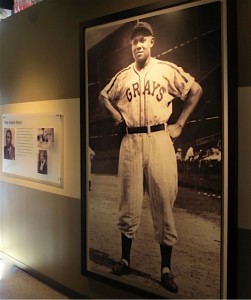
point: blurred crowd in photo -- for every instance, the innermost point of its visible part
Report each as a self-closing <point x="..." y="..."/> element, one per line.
<point x="201" y="167"/>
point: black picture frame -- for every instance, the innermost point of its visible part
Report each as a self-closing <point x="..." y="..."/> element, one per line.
<point x="202" y="40"/>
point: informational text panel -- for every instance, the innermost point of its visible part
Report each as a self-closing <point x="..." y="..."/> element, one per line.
<point x="32" y="146"/>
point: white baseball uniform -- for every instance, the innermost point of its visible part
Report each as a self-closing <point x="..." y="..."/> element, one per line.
<point x="147" y="160"/>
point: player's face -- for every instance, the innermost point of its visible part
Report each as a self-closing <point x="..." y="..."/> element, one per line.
<point x="8" y="138"/>
<point x="141" y="47"/>
<point x="42" y="156"/>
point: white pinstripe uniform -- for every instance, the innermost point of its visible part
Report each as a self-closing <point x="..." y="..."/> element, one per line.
<point x="144" y="98"/>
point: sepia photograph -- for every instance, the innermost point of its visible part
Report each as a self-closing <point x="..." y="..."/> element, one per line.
<point x="153" y="105"/>
<point x="45" y="137"/>
<point x="42" y="164"/>
<point x="9" y="146"/>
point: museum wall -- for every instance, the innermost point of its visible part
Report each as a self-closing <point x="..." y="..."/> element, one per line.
<point x="39" y="72"/>
<point x="244" y="147"/>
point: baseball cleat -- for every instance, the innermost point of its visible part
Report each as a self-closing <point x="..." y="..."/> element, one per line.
<point x="167" y="281"/>
<point x="121" y="268"/>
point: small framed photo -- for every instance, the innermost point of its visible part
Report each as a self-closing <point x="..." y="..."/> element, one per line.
<point x="42" y="162"/>
<point x="45" y="138"/>
<point x="9" y="143"/>
<point x="157" y="210"/>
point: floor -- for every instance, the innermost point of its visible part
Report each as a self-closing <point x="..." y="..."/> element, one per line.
<point x="16" y="284"/>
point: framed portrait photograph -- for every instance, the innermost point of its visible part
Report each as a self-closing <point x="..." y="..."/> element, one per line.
<point x="155" y="150"/>
<point x="9" y="145"/>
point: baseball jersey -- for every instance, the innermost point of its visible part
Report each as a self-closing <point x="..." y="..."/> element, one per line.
<point x="145" y="97"/>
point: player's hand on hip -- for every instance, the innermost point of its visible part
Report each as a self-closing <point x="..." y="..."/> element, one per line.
<point x="118" y="121"/>
<point x="117" y="118"/>
<point x="174" y="130"/>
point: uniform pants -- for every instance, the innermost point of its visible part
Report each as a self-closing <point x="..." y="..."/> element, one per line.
<point x="148" y="160"/>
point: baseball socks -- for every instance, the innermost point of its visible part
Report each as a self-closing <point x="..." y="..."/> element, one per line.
<point x="123" y="267"/>
<point x="167" y="278"/>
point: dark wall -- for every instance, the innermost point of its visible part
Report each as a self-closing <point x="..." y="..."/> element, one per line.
<point x="7" y="4"/>
<point x="244" y="46"/>
<point x="244" y="96"/>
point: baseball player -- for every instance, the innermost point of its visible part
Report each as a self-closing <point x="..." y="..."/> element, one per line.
<point x="141" y="96"/>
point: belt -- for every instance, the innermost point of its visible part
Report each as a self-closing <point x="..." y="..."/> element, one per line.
<point x="145" y="129"/>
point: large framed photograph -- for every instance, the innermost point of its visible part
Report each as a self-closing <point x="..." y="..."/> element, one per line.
<point x="155" y="150"/>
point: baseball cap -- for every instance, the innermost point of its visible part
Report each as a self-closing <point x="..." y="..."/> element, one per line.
<point x="141" y="27"/>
